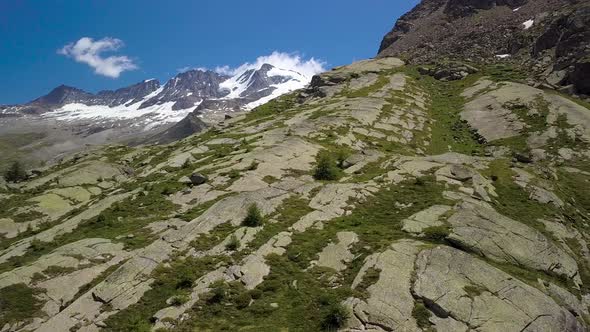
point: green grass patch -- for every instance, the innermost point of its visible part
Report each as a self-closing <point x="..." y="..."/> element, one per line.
<point x="449" y="131"/>
<point x="174" y="281"/>
<point x="18" y="303"/>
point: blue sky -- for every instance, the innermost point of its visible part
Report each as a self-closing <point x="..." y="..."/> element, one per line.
<point x="160" y="37"/>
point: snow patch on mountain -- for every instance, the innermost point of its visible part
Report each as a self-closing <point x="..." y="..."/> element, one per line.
<point x="162" y="113"/>
<point x="298" y="74"/>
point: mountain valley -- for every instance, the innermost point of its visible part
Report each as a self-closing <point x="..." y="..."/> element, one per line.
<point x="391" y="194"/>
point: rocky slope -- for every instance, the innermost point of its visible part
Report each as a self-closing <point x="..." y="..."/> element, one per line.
<point x="387" y="201"/>
<point x="549" y="38"/>
<point x="384" y="196"/>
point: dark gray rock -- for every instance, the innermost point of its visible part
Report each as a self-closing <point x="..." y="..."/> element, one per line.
<point x="198" y="179"/>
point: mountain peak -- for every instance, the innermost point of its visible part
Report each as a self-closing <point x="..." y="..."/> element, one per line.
<point x="60" y="95"/>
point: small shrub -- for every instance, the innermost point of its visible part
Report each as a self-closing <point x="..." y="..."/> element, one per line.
<point x="326" y="168"/>
<point x="256" y="293"/>
<point x="335" y="317"/>
<point x="271" y="286"/>
<point x="16" y="172"/>
<point x="233" y="243"/>
<point x="38" y="245"/>
<point x="167" y="191"/>
<point x="253" y="166"/>
<point x="233" y="174"/>
<point x="217" y="293"/>
<point x="253" y="217"/>
<point x="421" y="314"/>
<point x="243" y="300"/>
<point x="184" y="281"/>
<point x="178" y="300"/>
<point x="187" y="164"/>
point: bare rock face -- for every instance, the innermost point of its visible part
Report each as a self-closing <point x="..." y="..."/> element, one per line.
<point x="454" y="284"/>
<point x="469" y="7"/>
<point x="492" y="235"/>
<point x="547" y="37"/>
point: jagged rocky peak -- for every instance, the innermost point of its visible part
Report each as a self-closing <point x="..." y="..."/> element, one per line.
<point x="128" y="95"/>
<point x="188" y="89"/>
<point x="546" y="38"/>
<point x="63" y="94"/>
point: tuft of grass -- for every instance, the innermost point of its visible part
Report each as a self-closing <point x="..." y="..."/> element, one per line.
<point x="473" y="290"/>
<point x="233" y="243"/>
<point x="371" y="276"/>
<point x="421" y="314"/>
<point x="437" y="233"/>
<point x="270" y="179"/>
<point x="253" y="166"/>
<point x="54" y="271"/>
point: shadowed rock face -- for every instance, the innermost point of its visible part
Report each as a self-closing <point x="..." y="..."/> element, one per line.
<point x="65" y="95"/>
<point x="554" y="42"/>
<point x="469" y="7"/>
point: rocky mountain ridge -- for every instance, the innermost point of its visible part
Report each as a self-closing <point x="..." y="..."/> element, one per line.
<point x="546" y="38"/>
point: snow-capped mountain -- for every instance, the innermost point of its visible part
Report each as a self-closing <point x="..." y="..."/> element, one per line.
<point x="71" y="119"/>
<point x="152" y="105"/>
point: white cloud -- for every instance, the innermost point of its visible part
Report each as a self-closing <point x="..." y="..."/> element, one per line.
<point x="88" y="51"/>
<point x="288" y="61"/>
<point x="189" y="68"/>
<point x="184" y="69"/>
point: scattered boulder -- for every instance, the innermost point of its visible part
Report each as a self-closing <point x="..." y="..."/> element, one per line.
<point x="461" y="173"/>
<point x="353" y="160"/>
<point x="523" y="157"/>
<point x="198" y="179"/>
<point x="449" y="72"/>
